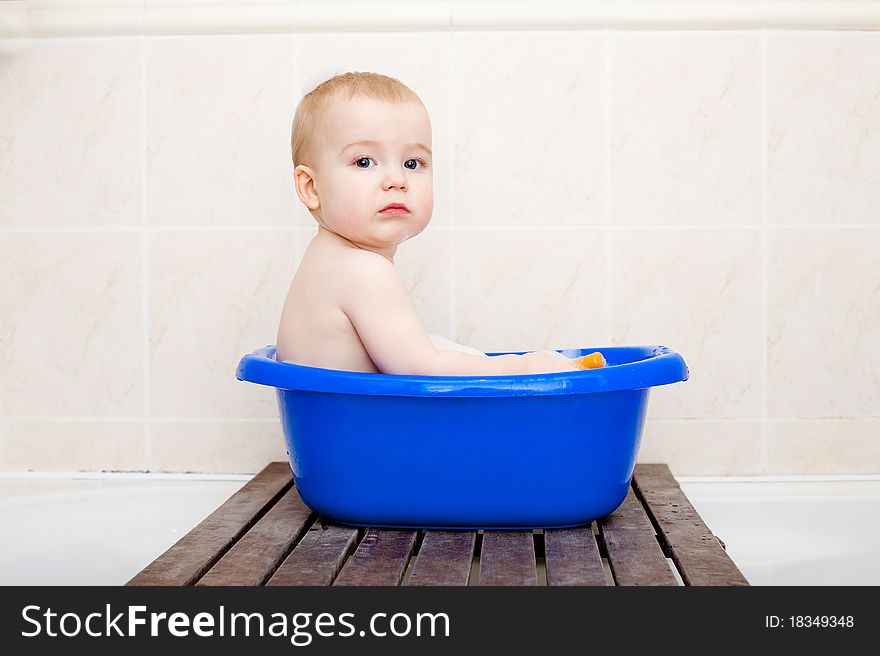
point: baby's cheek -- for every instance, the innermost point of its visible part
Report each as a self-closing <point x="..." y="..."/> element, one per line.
<point x="350" y="212"/>
<point x="426" y="208"/>
<point x="427" y="200"/>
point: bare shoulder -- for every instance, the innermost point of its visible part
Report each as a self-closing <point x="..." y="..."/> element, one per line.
<point x="367" y="268"/>
<point x="371" y="281"/>
<point x="343" y="270"/>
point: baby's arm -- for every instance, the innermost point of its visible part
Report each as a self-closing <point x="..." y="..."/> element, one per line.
<point x="381" y="311"/>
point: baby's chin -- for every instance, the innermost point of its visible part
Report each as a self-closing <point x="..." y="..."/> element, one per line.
<point x="405" y="232"/>
<point x="413" y="230"/>
<point x="384" y="244"/>
<point x="385" y="236"/>
<point x="409" y="235"/>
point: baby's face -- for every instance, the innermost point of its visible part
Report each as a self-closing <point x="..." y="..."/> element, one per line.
<point x="356" y="181"/>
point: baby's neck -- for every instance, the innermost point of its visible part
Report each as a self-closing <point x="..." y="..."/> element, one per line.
<point x="329" y="237"/>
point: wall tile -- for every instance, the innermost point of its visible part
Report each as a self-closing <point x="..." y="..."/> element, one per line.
<point x="837" y="446"/>
<point x="531" y="289"/>
<point x="823" y="104"/>
<point x="425" y="264"/>
<point x="214" y="297"/>
<point x="703" y="448"/>
<point x="304" y="237"/>
<point x="71" y="324"/>
<point x="698" y="292"/>
<point x="419" y="60"/>
<point x="241" y="447"/>
<point x="70" y="132"/>
<point x="686" y="133"/>
<point x="528" y="128"/>
<point x="519" y="258"/>
<point x="73" y="446"/>
<point x="219" y="130"/>
<point x="823" y="323"/>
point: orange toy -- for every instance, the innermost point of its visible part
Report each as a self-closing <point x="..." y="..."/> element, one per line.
<point x="592" y="361"/>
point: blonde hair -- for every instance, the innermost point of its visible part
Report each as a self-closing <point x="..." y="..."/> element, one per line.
<point x="306" y="120"/>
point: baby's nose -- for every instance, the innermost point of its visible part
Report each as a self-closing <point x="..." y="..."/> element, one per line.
<point x="395" y="179"/>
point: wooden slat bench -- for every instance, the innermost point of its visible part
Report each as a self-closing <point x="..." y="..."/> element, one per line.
<point x="265" y="535"/>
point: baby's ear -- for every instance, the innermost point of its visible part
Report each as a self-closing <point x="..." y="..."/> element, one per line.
<point x="304" y="182"/>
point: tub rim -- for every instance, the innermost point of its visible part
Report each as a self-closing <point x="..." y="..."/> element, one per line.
<point x="629" y="368"/>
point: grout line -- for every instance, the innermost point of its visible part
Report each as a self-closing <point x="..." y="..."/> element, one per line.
<point x="759" y="418"/>
<point x="274" y="420"/>
<point x="609" y="328"/>
<point x="450" y="186"/>
<point x="667" y="226"/>
<point x="461" y="228"/>
<point x="123" y="420"/>
<point x="765" y="191"/>
<point x="299" y="235"/>
<point x="192" y="27"/>
<point x="148" y="437"/>
<point x="112" y="229"/>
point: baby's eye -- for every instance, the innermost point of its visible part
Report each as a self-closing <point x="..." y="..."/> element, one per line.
<point x="363" y="162"/>
<point x="413" y="164"/>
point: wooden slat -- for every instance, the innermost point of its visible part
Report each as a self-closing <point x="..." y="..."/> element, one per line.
<point x="380" y="559"/>
<point x="444" y="558"/>
<point x="242" y="542"/>
<point x="572" y="557"/>
<point x="318" y="557"/>
<point x="258" y="553"/>
<point x="508" y="558"/>
<point x="634" y="554"/>
<point x="191" y="556"/>
<point x="700" y="559"/>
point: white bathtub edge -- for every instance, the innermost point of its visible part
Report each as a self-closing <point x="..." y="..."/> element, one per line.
<point x="791" y="478"/>
<point x="125" y="476"/>
<point x="177" y="476"/>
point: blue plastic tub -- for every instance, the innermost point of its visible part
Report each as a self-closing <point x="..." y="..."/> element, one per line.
<point x="528" y="451"/>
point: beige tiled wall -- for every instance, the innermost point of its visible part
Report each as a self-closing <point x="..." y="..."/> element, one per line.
<point x="714" y="191"/>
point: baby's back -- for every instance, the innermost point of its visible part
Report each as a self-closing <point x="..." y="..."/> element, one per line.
<point x="314" y="331"/>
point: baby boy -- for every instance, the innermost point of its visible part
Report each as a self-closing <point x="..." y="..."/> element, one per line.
<point x="362" y="166"/>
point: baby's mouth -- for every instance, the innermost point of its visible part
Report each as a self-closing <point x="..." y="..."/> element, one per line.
<point x="394" y="209"/>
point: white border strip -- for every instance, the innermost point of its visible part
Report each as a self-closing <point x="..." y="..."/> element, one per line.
<point x="46" y="18"/>
<point x="788" y="478"/>
<point x="173" y="476"/>
<point x="122" y="476"/>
